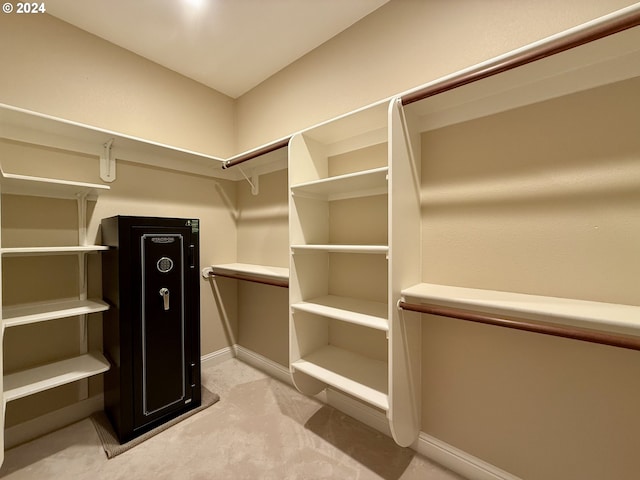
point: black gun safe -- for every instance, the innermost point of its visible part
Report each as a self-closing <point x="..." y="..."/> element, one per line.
<point x="151" y="333"/>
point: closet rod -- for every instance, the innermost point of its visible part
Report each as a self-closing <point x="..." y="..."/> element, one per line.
<point x="543" y="328"/>
<point x="253" y="278"/>
<point x="278" y="144"/>
<point x="581" y="37"/>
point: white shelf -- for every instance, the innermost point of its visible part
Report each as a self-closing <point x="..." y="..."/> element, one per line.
<point x="354" y="374"/>
<point x="360" y="312"/>
<point x="47" y="187"/>
<point x="353" y="185"/>
<point x="264" y="271"/>
<point x="39" y="129"/>
<point x="363" y="127"/>
<point x="16" y="315"/>
<point x="32" y="251"/>
<point x="610" y="317"/>
<point x="375" y="249"/>
<point x="39" y="379"/>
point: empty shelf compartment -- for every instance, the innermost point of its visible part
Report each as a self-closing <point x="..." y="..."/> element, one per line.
<point x="353" y="310"/>
<point x="359" y="376"/>
<point x="39" y="379"/>
<point x="44" y="311"/>
<point x="352" y="185"/>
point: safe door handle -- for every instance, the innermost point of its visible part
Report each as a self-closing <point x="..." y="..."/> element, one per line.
<point x="164" y="293"/>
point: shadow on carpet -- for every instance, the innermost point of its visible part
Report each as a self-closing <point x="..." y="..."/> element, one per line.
<point x="109" y="439"/>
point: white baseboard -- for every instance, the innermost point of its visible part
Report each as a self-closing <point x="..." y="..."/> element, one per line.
<point x="440" y="452"/>
<point x="458" y="461"/>
<point x="261" y="362"/>
<point x="219" y="356"/>
<point x="36" y="427"/>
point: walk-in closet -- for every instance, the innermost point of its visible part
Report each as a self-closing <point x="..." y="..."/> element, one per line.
<point x="409" y="252"/>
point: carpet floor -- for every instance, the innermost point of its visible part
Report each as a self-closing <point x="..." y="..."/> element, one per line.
<point x="260" y="429"/>
<point x="109" y="438"/>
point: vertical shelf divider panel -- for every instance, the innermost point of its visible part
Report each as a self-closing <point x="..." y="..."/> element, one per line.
<point x="308" y="272"/>
<point x="404" y="268"/>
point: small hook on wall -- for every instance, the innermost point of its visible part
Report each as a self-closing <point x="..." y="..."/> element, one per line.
<point x="107" y="163"/>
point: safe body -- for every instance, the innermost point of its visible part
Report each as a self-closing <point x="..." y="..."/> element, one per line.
<point x="151" y="333"/>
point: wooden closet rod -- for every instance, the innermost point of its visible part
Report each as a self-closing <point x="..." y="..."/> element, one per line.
<point x="253" y="278"/>
<point x="256" y="153"/>
<point x="543" y="328"/>
<point x="595" y="32"/>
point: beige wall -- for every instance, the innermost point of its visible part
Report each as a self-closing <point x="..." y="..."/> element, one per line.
<point x="404" y="44"/>
<point x="51" y="67"/>
<point x="263" y="239"/>
<point x="541" y="200"/>
<point x="540" y="408"/>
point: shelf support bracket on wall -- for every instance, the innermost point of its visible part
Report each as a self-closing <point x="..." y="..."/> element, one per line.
<point x="254" y="182"/>
<point x="107" y="163"/>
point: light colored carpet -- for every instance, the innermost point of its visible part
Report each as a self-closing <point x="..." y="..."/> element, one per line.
<point x="260" y="429"/>
<point x="113" y="447"/>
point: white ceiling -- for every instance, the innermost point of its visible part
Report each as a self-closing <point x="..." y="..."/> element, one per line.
<point x="229" y="45"/>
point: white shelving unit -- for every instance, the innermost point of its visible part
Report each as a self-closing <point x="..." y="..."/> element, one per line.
<point x="19" y="384"/>
<point x="330" y="314"/>
<point x="608" y="60"/>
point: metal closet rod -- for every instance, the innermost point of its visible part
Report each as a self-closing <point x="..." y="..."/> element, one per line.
<point x="563" y="44"/>
<point x="253" y="278"/>
<point x="590" y="336"/>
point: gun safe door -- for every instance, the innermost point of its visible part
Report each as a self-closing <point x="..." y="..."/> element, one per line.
<point x="150" y="276"/>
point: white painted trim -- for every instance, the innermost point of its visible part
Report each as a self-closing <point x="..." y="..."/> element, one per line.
<point x="458" y="461"/>
<point x="47" y="423"/>
<point x="217" y="357"/>
<point x="263" y="363"/>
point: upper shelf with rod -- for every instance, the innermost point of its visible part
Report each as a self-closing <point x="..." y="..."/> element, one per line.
<point x="599" y="52"/>
<point x="31" y="127"/>
<point x="276" y="276"/>
<point x="595" y="322"/>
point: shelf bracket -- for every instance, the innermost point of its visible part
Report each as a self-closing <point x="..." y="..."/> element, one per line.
<point x="254" y="182"/>
<point x="107" y="163"/>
